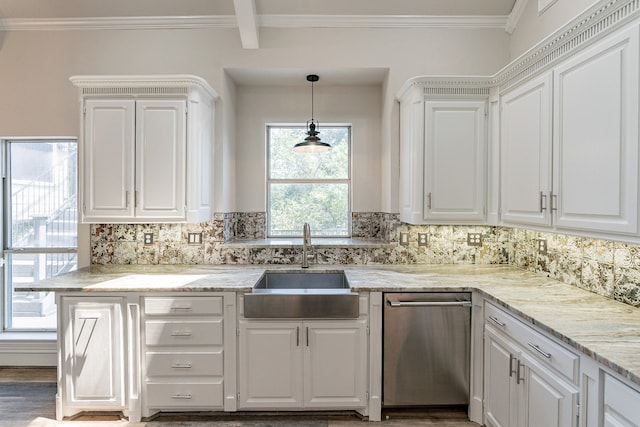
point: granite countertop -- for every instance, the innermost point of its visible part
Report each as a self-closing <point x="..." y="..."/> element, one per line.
<point x="607" y="330"/>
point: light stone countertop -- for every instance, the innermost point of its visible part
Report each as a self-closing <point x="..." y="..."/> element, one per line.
<point x="607" y="330"/>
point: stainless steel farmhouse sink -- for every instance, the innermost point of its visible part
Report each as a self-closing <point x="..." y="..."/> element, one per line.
<point x="324" y="294"/>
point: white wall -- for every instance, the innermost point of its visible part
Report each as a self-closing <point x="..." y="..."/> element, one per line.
<point x="257" y="106"/>
<point x="37" y="98"/>
<point x="533" y="27"/>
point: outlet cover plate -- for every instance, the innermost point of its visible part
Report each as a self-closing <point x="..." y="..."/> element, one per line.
<point x="194" y="238"/>
<point x="148" y="238"/>
<point x="474" y="239"/>
<point x="542" y="246"/>
<point x="423" y="239"/>
<point x="404" y="239"/>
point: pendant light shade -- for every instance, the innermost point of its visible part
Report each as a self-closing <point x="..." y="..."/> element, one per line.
<point x="312" y="143"/>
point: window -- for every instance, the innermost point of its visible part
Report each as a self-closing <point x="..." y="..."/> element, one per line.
<point x="308" y="187"/>
<point x="40" y="227"/>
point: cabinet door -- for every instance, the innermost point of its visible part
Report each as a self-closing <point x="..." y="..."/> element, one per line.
<point x="107" y="163"/>
<point x="454" y="175"/>
<point x="270" y="368"/>
<point x="160" y="159"/>
<point x="621" y="404"/>
<point x="501" y="358"/>
<point x="525" y="127"/>
<point x="336" y="364"/>
<point x="547" y="401"/>
<point x="596" y="137"/>
<point x="411" y="157"/>
<point x="92" y="363"/>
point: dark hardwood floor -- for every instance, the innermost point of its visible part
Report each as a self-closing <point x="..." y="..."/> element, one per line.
<point x="27" y="399"/>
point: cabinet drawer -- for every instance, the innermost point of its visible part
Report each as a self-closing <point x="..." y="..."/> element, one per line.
<point x="173" y="395"/>
<point x="181" y="306"/>
<point x="543" y="348"/>
<point x="166" y="332"/>
<point x="184" y="364"/>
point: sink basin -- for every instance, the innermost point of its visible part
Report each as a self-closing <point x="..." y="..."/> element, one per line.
<point x="302" y="295"/>
<point x="297" y="281"/>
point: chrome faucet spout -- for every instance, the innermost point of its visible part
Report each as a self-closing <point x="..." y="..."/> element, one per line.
<point x="306" y="245"/>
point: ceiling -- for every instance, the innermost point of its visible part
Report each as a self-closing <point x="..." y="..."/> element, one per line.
<point x="250" y="15"/>
<point x="115" y="8"/>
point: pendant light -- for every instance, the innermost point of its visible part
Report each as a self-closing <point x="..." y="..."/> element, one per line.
<point x="312" y="143"/>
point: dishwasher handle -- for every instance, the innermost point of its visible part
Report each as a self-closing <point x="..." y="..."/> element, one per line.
<point x="429" y="303"/>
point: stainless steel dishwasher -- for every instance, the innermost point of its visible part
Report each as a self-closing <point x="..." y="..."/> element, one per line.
<point x="426" y="342"/>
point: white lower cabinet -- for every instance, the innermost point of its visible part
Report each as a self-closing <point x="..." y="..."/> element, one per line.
<point x="621" y="406"/>
<point x="500" y="388"/>
<point x="529" y="380"/>
<point x="183" y="354"/>
<point x="303" y="364"/>
<point x="91" y="355"/>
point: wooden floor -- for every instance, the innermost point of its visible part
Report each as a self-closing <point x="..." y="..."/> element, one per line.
<point x="27" y="399"/>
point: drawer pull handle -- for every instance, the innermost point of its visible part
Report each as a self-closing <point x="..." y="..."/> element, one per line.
<point x="539" y="350"/>
<point x="181" y="396"/>
<point x="497" y="322"/>
<point x="181" y="333"/>
<point x="181" y="307"/>
<point x="181" y="365"/>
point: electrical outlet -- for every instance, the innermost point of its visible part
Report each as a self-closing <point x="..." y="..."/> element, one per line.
<point x="474" y="239"/>
<point x="148" y="238"/>
<point x="404" y="239"/>
<point x="542" y="246"/>
<point x="423" y="239"/>
<point x="194" y="238"/>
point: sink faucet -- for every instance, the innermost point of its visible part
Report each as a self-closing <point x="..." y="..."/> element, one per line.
<point x="306" y="245"/>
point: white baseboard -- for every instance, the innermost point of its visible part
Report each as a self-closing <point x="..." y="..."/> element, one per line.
<point x="28" y="353"/>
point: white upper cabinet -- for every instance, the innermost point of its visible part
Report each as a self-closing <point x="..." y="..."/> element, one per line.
<point x="569" y="143"/>
<point x="160" y="158"/>
<point x="526" y="153"/>
<point x="146" y="149"/>
<point x="454" y="158"/>
<point x="442" y="156"/>
<point x="596" y="137"/>
<point x="109" y="152"/>
<point x="411" y="155"/>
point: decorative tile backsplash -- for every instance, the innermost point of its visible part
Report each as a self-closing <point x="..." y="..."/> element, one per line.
<point x="608" y="268"/>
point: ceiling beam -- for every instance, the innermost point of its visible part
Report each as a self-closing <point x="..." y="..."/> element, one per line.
<point x="247" y="23"/>
<point x="515" y="15"/>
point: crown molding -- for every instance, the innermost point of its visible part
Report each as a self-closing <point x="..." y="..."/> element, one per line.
<point x="602" y="18"/>
<point x="593" y="24"/>
<point x="273" y="21"/>
<point x="381" y="21"/>
<point x="143" y="81"/>
<point x="121" y="23"/>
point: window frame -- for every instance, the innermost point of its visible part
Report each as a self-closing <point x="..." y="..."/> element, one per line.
<point x="7" y="246"/>
<point x="348" y="180"/>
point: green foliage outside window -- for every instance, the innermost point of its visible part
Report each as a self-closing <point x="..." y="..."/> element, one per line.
<point x="308" y="187"/>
